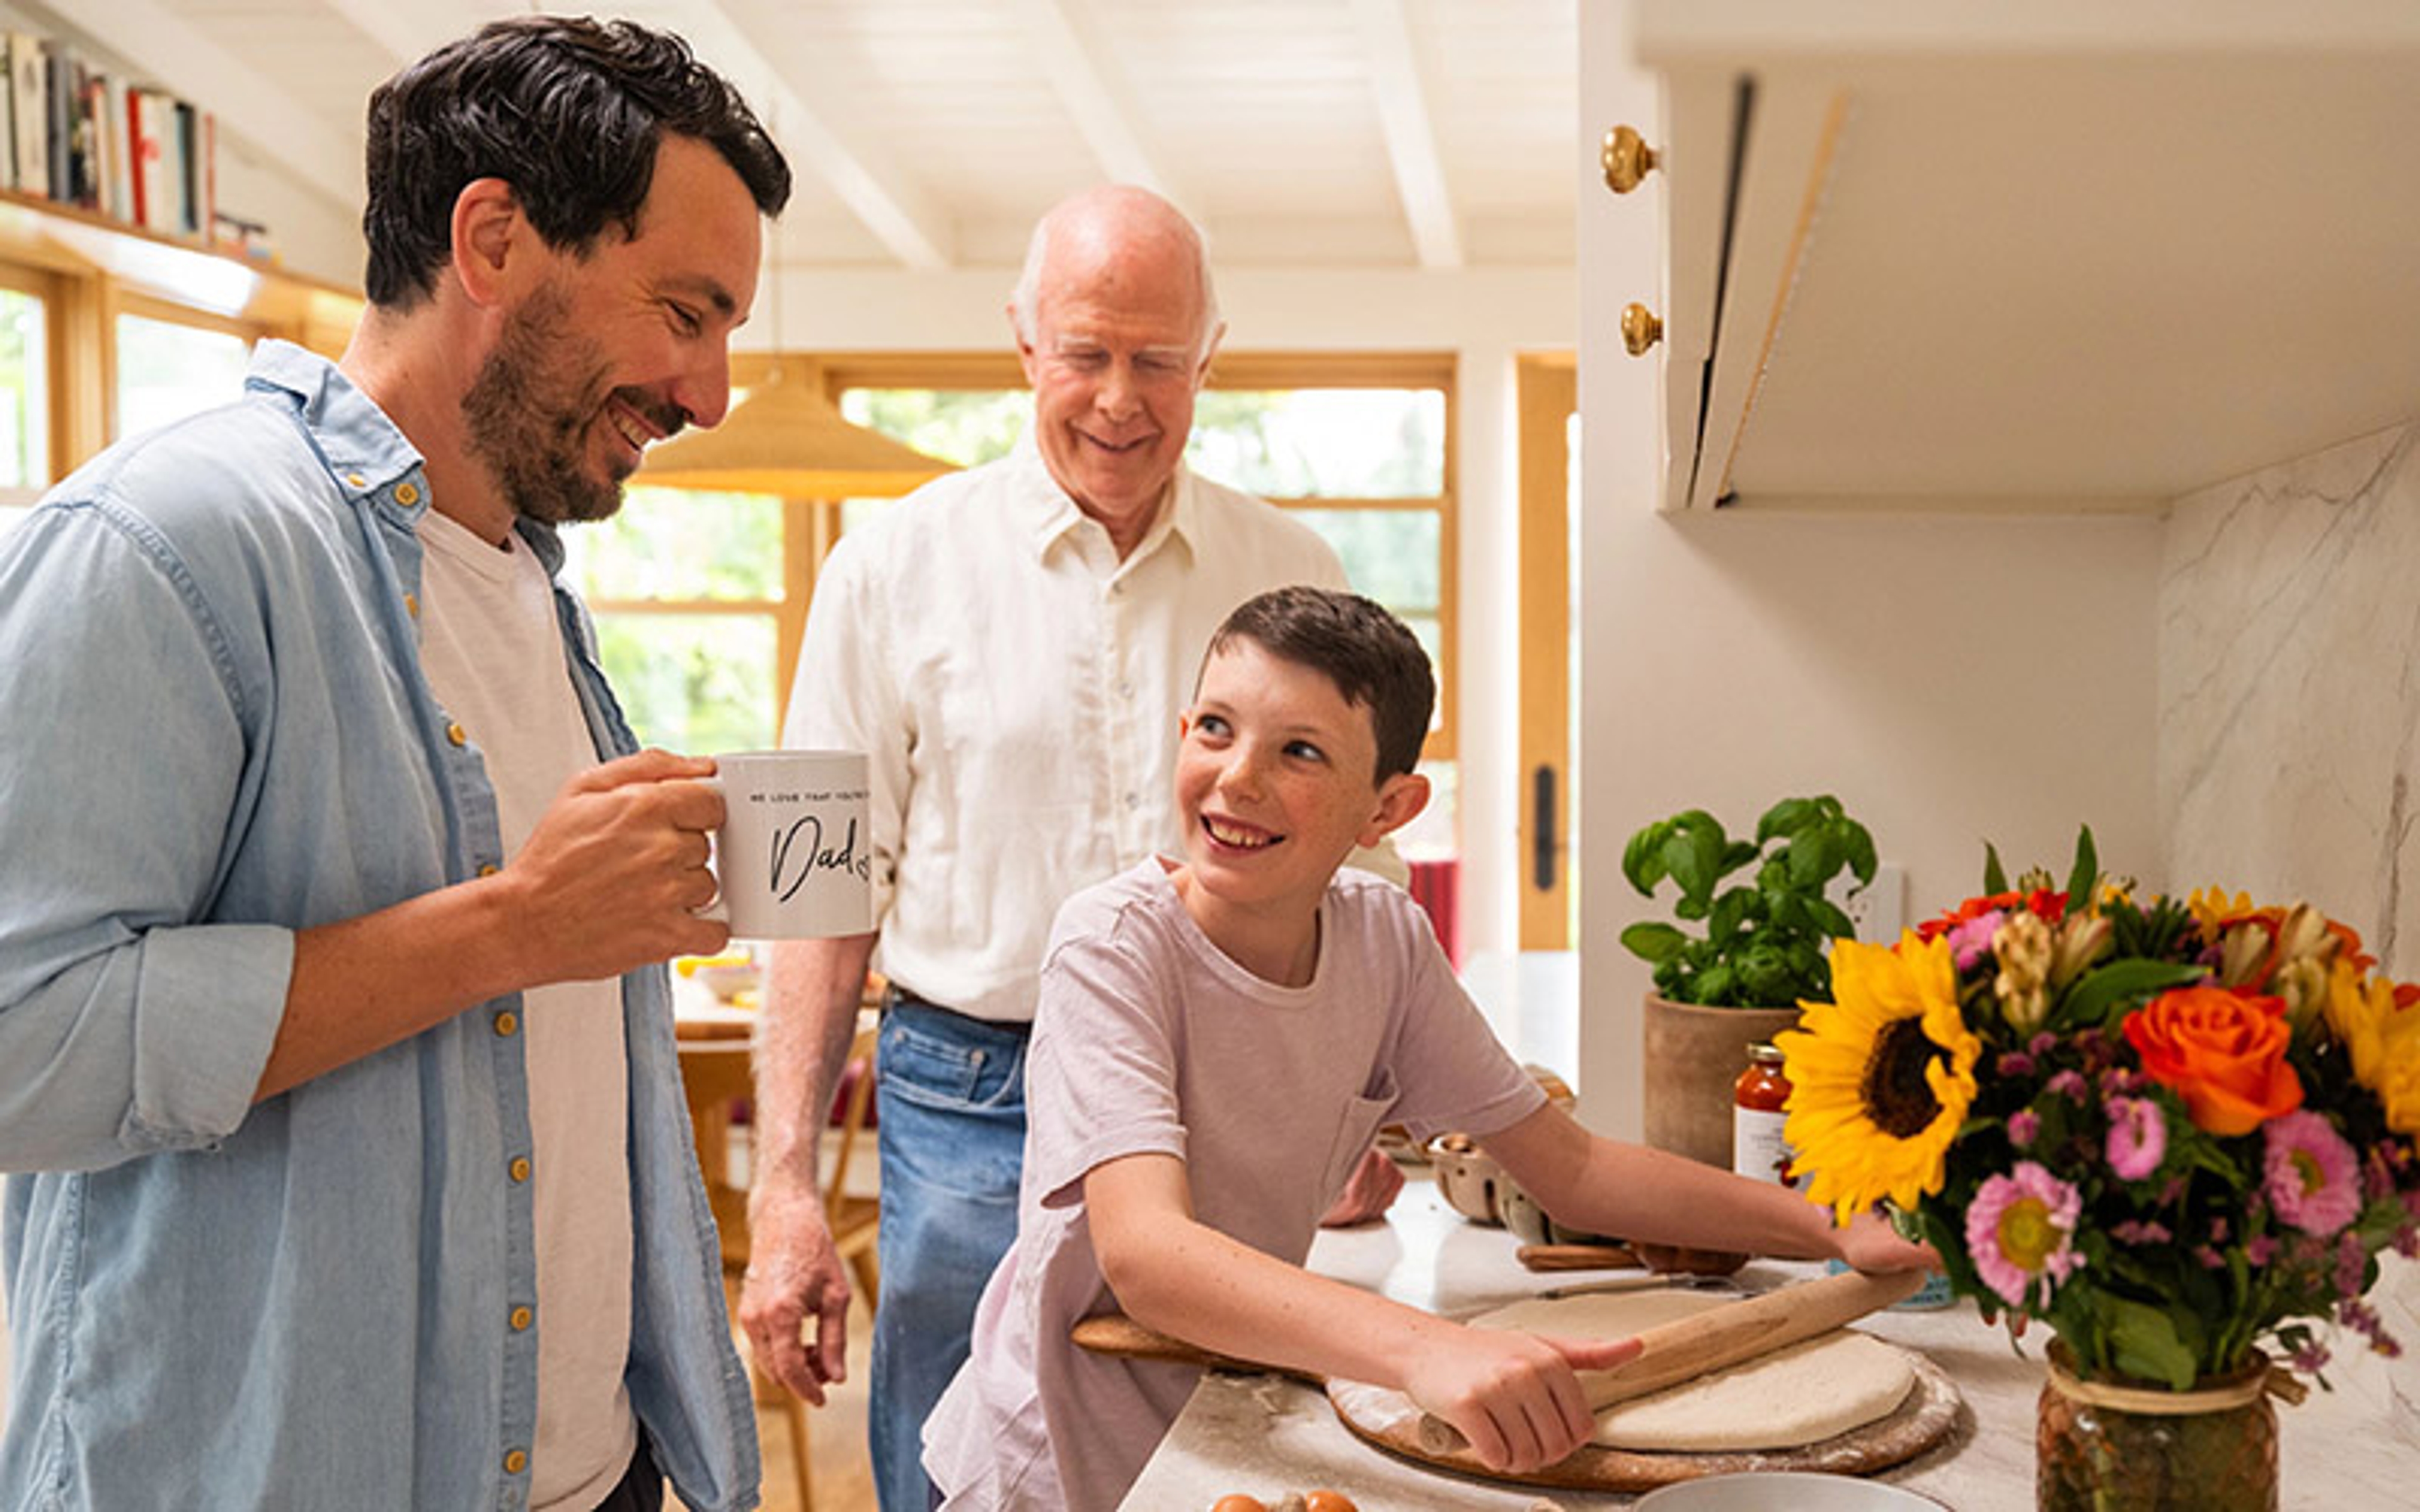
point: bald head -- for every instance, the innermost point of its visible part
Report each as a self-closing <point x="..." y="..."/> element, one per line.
<point x="1115" y="327"/>
<point x="1109" y="241"/>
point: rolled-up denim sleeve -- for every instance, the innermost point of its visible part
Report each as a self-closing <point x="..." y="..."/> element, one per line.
<point x="130" y="1020"/>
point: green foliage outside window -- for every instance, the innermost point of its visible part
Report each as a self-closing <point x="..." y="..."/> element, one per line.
<point x="968" y="426"/>
<point x="691" y="681"/>
<point x="697" y="684"/>
<point x="677" y="543"/>
<point x="1322" y="443"/>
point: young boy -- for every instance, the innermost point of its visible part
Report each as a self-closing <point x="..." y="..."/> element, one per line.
<point x="1215" y="1046"/>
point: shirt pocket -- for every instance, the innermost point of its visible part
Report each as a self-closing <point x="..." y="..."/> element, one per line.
<point x="1357" y="1126"/>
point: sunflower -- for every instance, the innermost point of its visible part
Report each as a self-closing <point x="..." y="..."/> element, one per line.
<point x="2378" y="1025"/>
<point x="1882" y="1077"/>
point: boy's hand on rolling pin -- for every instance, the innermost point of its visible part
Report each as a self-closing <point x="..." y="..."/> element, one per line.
<point x="1870" y="1243"/>
<point x="1513" y="1396"/>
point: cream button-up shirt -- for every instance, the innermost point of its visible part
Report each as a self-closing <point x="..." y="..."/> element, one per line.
<point x="1017" y="687"/>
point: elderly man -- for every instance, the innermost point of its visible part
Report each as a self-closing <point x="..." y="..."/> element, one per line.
<point x="352" y="1159"/>
<point x="1013" y="644"/>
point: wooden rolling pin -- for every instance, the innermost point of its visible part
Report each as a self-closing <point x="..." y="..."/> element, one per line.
<point x="1689" y="1347"/>
<point x="1118" y="1334"/>
<point x="1574" y="1257"/>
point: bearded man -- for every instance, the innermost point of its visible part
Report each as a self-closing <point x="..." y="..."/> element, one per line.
<point x="350" y="1159"/>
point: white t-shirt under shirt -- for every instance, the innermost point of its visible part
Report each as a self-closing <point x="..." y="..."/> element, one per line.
<point x="492" y="651"/>
<point x="1148" y="1038"/>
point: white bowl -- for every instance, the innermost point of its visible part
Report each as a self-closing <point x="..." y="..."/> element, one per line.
<point x="1784" y="1491"/>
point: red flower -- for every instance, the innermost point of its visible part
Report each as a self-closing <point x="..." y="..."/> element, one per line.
<point x="2223" y="1052"/>
<point x="2050" y="906"/>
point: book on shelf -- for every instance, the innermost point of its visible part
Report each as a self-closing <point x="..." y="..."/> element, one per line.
<point x="30" y="123"/>
<point x="58" y="88"/>
<point x="75" y="134"/>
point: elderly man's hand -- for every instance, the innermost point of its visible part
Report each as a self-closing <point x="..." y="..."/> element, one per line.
<point x="1368" y="1192"/>
<point x="795" y="1279"/>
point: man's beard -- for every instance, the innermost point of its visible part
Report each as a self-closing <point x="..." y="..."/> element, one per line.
<point x="528" y="415"/>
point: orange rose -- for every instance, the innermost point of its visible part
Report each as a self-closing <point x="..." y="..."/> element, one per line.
<point x="2223" y="1052"/>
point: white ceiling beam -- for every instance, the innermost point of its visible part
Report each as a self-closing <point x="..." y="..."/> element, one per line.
<point x="409" y="33"/>
<point x="1077" y="59"/>
<point x="910" y="228"/>
<point x="902" y="217"/>
<point x="1410" y="132"/>
<point x="174" y="54"/>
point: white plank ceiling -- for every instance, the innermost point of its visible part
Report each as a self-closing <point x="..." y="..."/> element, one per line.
<point x="928" y="133"/>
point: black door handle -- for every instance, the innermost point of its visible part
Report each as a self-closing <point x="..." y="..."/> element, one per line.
<point x="1542" y="847"/>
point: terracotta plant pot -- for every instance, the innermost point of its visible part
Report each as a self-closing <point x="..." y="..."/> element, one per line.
<point x="1690" y="1059"/>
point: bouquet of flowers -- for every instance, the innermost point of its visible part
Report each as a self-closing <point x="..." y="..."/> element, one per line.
<point x="2173" y="1132"/>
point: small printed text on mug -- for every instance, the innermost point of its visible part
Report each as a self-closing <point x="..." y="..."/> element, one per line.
<point x="799" y="850"/>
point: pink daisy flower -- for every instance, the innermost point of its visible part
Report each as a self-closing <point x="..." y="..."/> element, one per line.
<point x="1971" y="941"/>
<point x="2020" y="1232"/>
<point x="2313" y="1176"/>
<point x="2138" y="1137"/>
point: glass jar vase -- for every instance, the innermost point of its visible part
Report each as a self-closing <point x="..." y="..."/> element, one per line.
<point x="2106" y="1448"/>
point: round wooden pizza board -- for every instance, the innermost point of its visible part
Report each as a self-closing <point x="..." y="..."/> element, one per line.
<point x="1391" y="1421"/>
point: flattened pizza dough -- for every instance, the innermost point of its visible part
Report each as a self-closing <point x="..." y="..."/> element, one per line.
<point x="1798" y="1395"/>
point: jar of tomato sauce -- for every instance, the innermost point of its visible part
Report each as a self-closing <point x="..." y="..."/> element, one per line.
<point x="1759" y="1151"/>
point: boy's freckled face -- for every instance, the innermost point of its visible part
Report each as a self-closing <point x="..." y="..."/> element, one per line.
<point x="1276" y="779"/>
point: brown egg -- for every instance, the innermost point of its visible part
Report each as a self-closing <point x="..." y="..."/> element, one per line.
<point x="1238" y="1502"/>
<point x="1328" y="1502"/>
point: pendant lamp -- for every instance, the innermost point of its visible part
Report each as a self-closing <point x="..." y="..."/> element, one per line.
<point x="786" y="439"/>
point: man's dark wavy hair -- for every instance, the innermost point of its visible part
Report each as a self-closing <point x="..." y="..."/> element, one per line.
<point x="1373" y="658"/>
<point x="567" y="110"/>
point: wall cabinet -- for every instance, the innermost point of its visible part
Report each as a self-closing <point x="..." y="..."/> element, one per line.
<point x="2061" y="255"/>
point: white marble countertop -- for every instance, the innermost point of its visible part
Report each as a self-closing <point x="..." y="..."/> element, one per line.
<point x="2350" y="1450"/>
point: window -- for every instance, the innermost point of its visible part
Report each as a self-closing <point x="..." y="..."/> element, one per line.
<point x="1360" y="448"/>
<point x="24" y="391"/>
<point x="695" y="622"/>
<point x="170" y="368"/>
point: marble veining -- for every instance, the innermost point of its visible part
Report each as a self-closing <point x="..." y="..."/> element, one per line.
<point x="2288" y="702"/>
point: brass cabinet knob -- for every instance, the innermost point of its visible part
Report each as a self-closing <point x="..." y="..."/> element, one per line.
<point x="1628" y="160"/>
<point x="1640" y="329"/>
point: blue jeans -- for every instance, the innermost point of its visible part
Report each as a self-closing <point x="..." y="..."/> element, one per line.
<point x="949" y="1127"/>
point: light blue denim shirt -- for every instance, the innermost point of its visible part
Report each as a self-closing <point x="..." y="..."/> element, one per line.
<point x="214" y="732"/>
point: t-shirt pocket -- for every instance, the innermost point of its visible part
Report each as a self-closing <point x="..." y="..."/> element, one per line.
<point x="1356" y="1129"/>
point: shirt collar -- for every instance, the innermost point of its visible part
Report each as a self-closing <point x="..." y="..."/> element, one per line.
<point x="367" y="456"/>
<point x="1048" y="515"/>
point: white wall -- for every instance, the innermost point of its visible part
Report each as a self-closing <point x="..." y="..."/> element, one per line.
<point x="1487" y="316"/>
<point x="1952" y="680"/>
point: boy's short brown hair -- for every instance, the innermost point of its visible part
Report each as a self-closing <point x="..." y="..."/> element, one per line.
<point x="1373" y="658"/>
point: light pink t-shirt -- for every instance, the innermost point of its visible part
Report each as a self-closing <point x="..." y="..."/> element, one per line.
<point x="1149" y="1040"/>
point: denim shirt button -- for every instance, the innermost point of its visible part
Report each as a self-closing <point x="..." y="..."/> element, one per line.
<point x="453" y="734"/>
<point x="520" y="1169"/>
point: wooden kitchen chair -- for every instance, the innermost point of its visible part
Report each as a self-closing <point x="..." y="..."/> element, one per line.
<point x="715" y="1074"/>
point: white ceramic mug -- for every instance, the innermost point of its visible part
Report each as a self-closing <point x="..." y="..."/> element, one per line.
<point x="794" y="859"/>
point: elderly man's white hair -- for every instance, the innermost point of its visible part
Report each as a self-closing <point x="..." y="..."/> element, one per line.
<point x="1124" y="211"/>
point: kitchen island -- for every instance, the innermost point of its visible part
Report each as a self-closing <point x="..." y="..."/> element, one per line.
<point x="2356" y="1447"/>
